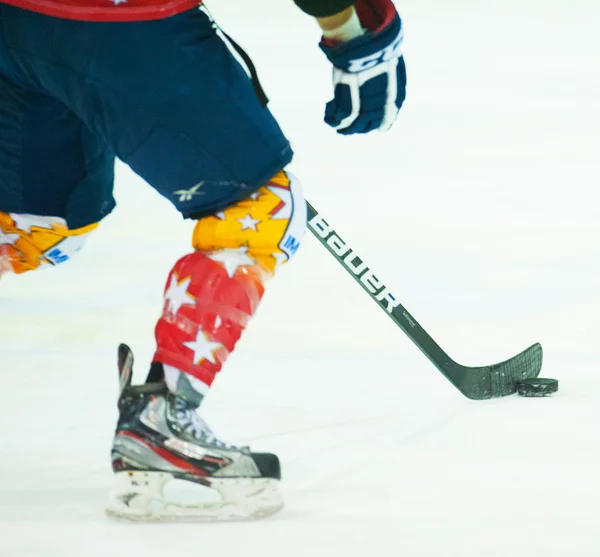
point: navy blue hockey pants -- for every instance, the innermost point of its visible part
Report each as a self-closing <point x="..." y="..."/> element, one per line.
<point x="166" y="97"/>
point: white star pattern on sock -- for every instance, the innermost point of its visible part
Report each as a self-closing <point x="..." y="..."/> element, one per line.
<point x="8" y="238"/>
<point x="25" y="222"/>
<point x="232" y="259"/>
<point x="248" y="223"/>
<point x="177" y="294"/>
<point x="203" y="348"/>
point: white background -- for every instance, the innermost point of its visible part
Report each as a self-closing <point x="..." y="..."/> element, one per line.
<point x="479" y="210"/>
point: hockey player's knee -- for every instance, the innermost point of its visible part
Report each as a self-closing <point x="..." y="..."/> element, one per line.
<point x="30" y="242"/>
<point x="268" y="226"/>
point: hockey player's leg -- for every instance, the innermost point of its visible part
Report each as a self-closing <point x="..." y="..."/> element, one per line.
<point x="210" y="296"/>
<point x="30" y="242"/>
<point x="56" y="176"/>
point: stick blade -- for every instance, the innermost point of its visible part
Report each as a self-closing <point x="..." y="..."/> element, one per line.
<point x="499" y="380"/>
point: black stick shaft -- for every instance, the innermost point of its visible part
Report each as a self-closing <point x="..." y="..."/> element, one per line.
<point x="371" y="284"/>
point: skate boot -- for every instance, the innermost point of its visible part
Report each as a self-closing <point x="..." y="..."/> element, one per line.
<point x="161" y="439"/>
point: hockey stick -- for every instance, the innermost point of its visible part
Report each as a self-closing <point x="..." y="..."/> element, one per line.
<point x="477" y="383"/>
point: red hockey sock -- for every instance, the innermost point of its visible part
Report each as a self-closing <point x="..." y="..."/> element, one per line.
<point x="209" y="299"/>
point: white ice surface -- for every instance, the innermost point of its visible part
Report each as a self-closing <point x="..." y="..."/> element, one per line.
<point x="480" y="210"/>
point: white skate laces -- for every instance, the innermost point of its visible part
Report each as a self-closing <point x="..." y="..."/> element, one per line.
<point x="190" y="422"/>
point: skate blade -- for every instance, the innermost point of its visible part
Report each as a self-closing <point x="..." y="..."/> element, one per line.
<point x="139" y="496"/>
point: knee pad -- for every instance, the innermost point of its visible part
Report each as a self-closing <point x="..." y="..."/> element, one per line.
<point x="212" y="293"/>
<point x="29" y="242"/>
<point x="268" y="226"/>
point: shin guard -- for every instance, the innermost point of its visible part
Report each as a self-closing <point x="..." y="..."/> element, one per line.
<point x="212" y="293"/>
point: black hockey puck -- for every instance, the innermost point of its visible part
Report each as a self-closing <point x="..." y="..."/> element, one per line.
<point x="537" y="387"/>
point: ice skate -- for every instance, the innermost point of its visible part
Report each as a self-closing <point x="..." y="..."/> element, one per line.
<point x="161" y="439"/>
